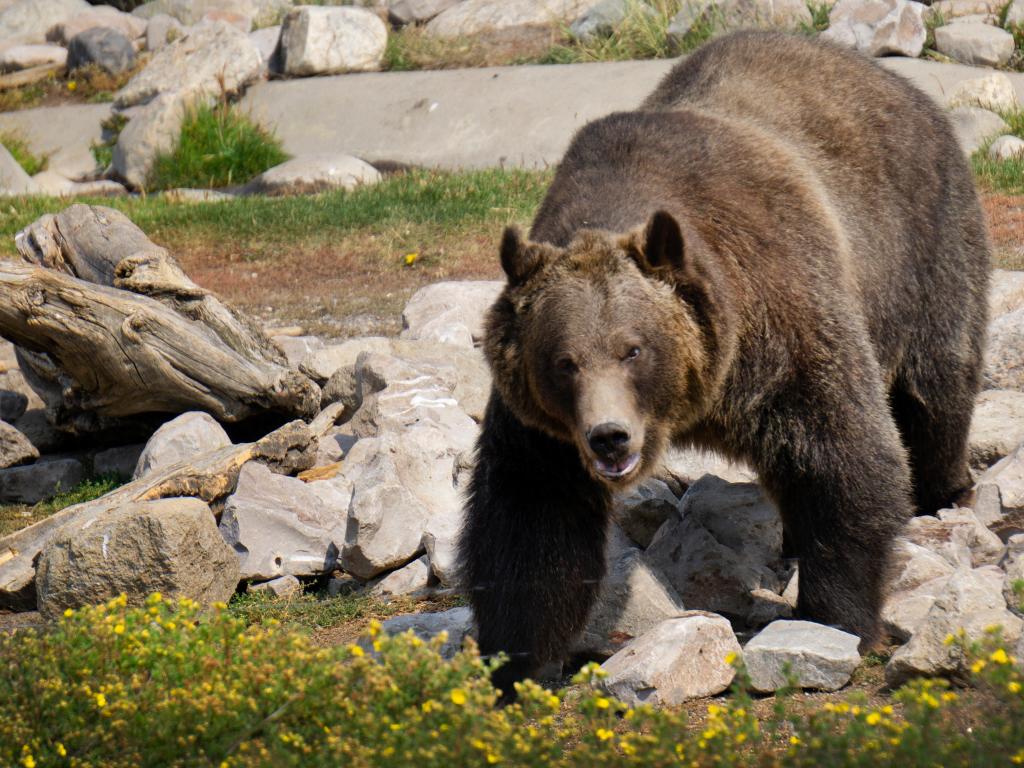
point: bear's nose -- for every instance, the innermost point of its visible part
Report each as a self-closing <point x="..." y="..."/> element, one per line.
<point x="609" y="440"/>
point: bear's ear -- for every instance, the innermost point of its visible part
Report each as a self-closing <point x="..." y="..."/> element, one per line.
<point x="519" y="259"/>
<point x="663" y="242"/>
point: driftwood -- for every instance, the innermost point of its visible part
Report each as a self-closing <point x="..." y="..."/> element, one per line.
<point x="108" y="325"/>
<point x="211" y="477"/>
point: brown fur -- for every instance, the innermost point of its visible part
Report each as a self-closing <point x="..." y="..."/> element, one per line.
<point x="790" y="237"/>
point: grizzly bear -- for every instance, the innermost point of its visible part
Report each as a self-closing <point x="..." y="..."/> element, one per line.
<point x="781" y="257"/>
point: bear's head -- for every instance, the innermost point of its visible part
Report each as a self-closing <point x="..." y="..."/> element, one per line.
<point x="602" y="343"/>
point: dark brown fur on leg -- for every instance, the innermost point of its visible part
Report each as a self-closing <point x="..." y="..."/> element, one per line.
<point x="532" y="546"/>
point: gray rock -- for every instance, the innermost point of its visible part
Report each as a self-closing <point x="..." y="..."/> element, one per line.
<point x="644" y="509"/>
<point x="1006" y="148"/>
<point x="1014" y="567"/>
<point x="957" y="535"/>
<point x="680" y="659"/>
<point x="327" y="40"/>
<point x="322" y="363"/>
<point x="1015" y="15"/>
<point x="29" y="20"/>
<point x="602" y="19"/>
<point x="12" y="405"/>
<point x="282" y="586"/>
<point x="280" y="525"/>
<point x="690" y="465"/>
<point x="457" y="623"/>
<point x="973" y="126"/>
<point x="994" y="91"/>
<point x="1006" y="291"/>
<point x="475" y="17"/>
<point x="410" y="578"/>
<point x="633" y="600"/>
<point x="168" y="545"/>
<point x="15" y="448"/>
<point x="997" y="426"/>
<point x="239" y="21"/>
<point x="266" y="41"/>
<point x="297" y="348"/>
<point x="988" y="504"/>
<point x="878" y="27"/>
<point x="32" y="483"/>
<point x="13" y="179"/>
<point x="1008" y="475"/>
<point x="732" y="14"/>
<point x="440" y="541"/>
<point x="161" y="30"/>
<point x="34" y="425"/>
<point x="57" y="185"/>
<point x="120" y="461"/>
<point x="333" y="445"/>
<point x="1004" y="352"/>
<point x="152" y="130"/>
<point x="450" y="312"/>
<point x="819" y="657"/>
<point x="958" y="9"/>
<point x="766" y="607"/>
<point x="106" y="48"/>
<point x="211" y="59"/>
<point x="904" y="613"/>
<point x="180" y="439"/>
<point x="920" y="575"/>
<point x="311" y="174"/>
<point x="402" y="12"/>
<point x="19" y="57"/>
<point x="263" y="13"/>
<point x="972" y="600"/>
<point x="104" y="16"/>
<point x="976" y="44"/>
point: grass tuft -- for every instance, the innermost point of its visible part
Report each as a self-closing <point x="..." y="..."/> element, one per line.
<point x="642" y="34"/>
<point x="1001" y="175"/>
<point x="218" y="147"/>
<point x="14" y="517"/>
<point x="819" y="18"/>
<point x="18" y="147"/>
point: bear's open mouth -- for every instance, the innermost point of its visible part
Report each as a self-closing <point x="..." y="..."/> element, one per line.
<point x="617" y="469"/>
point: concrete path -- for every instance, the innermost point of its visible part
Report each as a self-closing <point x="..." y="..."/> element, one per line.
<point x="472" y="118"/>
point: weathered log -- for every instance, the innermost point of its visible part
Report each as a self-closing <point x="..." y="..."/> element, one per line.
<point x="211" y="477"/>
<point x="109" y="325"/>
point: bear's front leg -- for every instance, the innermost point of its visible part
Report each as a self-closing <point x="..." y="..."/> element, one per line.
<point x="839" y="475"/>
<point x="532" y="544"/>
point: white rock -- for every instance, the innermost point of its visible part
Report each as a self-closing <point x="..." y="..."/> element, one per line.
<point x="976" y="44"/>
<point x="314" y="173"/>
<point x="211" y="59"/>
<point x="1006" y="148"/>
<point x="161" y="30"/>
<point x="451" y="312"/>
<point x="904" y="613"/>
<point x="997" y="426"/>
<point x="1015" y="14"/>
<point x="297" y="348"/>
<point x="282" y="586"/>
<point x="280" y="525"/>
<point x="474" y="17"/>
<point x="266" y="41"/>
<point x="973" y="601"/>
<point x="689" y="465"/>
<point x="988" y="504"/>
<point x="956" y="9"/>
<point x="733" y="14"/>
<point x="26" y="56"/>
<point x="878" y="27"/>
<point x="766" y="607"/>
<point x="973" y="126"/>
<point x="680" y="659"/>
<point x="327" y="40"/>
<point x="440" y="541"/>
<point x="13" y="179"/>
<point x="633" y="600"/>
<point x="416" y="11"/>
<point x="1008" y="475"/>
<point x="14" y="447"/>
<point x="181" y="439"/>
<point x="1004" y="352"/>
<point x="104" y="16"/>
<point x="819" y="657"/>
<point x="993" y="91"/>
<point x="956" y="535"/>
<point x="152" y="130"/>
<point x="1006" y="291"/>
<point x="29" y="20"/>
<point x="408" y="579"/>
<point x="457" y="623"/>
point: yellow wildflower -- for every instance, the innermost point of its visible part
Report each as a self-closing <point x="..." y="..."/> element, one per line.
<point x="68" y="612"/>
<point x="28" y="761"/>
<point x="604" y="734"/>
<point x="458" y="696"/>
<point x="410" y="258"/>
<point x="949" y="696"/>
<point x="101" y="700"/>
<point x="999" y="656"/>
<point x="794" y="740"/>
<point x="61" y="751"/>
<point x="72" y="85"/>
<point x="602" y="703"/>
<point x="553" y="701"/>
<point x="1013" y="687"/>
<point x="374" y="628"/>
<point x="873" y="719"/>
<point x="356" y="650"/>
<point x="949" y="640"/>
<point x="730" y="658"/>
<point x="977" y="666"/>
<point x="119" y="629"/>
<point x="492" y="759"/>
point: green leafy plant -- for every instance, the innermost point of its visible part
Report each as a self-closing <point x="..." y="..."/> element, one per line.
<point x="218" y="146"/>
<point x="19" y="149"/>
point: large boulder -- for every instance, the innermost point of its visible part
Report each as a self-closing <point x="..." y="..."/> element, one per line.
<point x="169" y="546"/>
<point x="181" y="438"/>
<point x="994" y="91"/>
<point x="997" y="426"/>
<point x="13" y="179"/>
<point x="878" y="27"/>
<point x="103" y="16"/>
<point x="475" y="17"/>
<point x="956" y="535"/>
<point x="456" y="623"/>
<point x="281" y="525"/>
<point x="1004" y="351"/>
<point x="975" y="43"/>
<point x="401" y="12"/>
<point x="310" y="174"/>
<point x="451" y="312"/>
<point x="974" y="126"/>
<point x="106" y="48"/>
<point x="153" y="130"/>
<point x="814" y="655"/>
<point x="15" y="448"/>
<point x="211" y="59"/>
<point x="19" y="57"/>
<point x="29" y="20"/>
<point x="732" y="14"/>
<point x="32" y="483"/>
<point x="261" y="13"/>
<point x="1008" y="475"/>
<point x="682" y="658"/>
<point x="326" y="40"/>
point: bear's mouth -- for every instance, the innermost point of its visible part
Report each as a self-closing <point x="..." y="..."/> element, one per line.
<point x="617" y="469"/>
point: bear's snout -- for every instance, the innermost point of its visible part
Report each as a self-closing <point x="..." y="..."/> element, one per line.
<point x="609" y="441"/>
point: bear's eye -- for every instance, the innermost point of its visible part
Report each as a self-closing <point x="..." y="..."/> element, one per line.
<point x="632" y="354"/>
<point x="566" y="365"/>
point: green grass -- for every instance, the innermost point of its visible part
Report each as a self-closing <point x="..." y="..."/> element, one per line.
<point x="218" y="147"/>
<point x="14" y="517"/>
<point x="1001" y="175"/>
<point x="440" y="199"/>
<point x="819" y="18"/>
<point x="18" y="147"/>
<point x="103" y="151"/>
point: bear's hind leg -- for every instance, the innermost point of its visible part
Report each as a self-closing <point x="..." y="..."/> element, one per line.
<point x="532" y="545"/>
<point x="934" y="421"/>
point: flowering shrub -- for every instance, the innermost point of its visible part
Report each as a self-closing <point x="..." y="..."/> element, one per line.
<point x="170" y="685"/>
